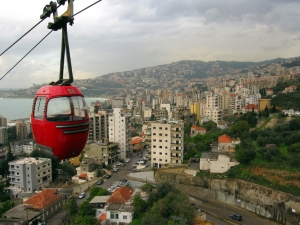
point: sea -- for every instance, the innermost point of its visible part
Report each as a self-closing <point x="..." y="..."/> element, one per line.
<point x="20" y="108"/>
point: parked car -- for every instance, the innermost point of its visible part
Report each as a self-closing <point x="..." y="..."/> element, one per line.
<point x="82" y="195"/>
<point x="140" y="156"/>
<point x="135" y="171"/>
<point x="100" y="182"/>
<point x="123" y="164"/>
<point x="116" y="169"/>
<point x="107" y="176"/>
<point x="236" y="217"/>
<point x="127" y="160"/>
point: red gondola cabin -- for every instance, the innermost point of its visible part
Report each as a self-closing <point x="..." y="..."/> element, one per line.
<point x="60" y="121"/>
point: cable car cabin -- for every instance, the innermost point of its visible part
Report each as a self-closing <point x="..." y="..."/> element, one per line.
<point x="60" y="122"/>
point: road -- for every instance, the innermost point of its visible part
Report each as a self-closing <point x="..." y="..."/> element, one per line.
<point x="223" y="211"/>
<point x="116" y="176"/>
<point x="218" y="212"/>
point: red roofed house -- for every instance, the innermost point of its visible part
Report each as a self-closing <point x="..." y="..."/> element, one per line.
<point x="120" y="206"/>
<point x="197" y="130"/>
<point x="249" y="107"/>
<point x="136" y="143"/>
<point x="48" y="201"/>
<point x="226" y="143"/>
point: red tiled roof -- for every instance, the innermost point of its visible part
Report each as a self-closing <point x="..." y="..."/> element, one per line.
<point x="198" y="128"/>
<point x="224" y="139"/>
<point x="136" y="140"/>
<point x="102" y="217"/>
<point x="251" y="106"/>
<point x="121" y="195"/>
<point x="84" y="175"/>
<point x="43" y="199"/>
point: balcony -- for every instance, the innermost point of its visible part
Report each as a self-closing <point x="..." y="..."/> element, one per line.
<point x="176" y="138"/>
<point x="175" y="145"/>
<point x="175" y="157"/>
<point x="174" y="151"/>
<point x="175" y="131"/>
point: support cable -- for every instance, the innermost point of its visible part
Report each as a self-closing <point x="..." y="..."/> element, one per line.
<point x="40" y="40"/>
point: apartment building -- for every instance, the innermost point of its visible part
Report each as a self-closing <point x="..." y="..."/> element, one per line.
<point x="3" y="135"/>
<point x="29" y="174"/>
<point x="3" y="121"/>
<point x="263" y="103"/>
<point x="98" y="126"/>
<point x="22" y="130"/>
<point x="167" y="143"/>
<point x="105" y="151"/>
<point x="119" y="131"/>
<point x="23" y="146"/>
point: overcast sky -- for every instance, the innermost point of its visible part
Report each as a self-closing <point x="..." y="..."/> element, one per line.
<point x="121" y="35"/>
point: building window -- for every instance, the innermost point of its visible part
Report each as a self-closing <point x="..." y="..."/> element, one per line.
<point x="154" y="152"/>
<point x="160" y="146"/>
<point x="160" y="159"/>
<point x="124" y="217"/>
<point x="160" y="140"/>
<point x="166" y="154"/>
<point x="160" y="128"/>
<point x="114" y="215"/>
<point x="160" y="153"/>
<point x="166" y="140"/>
<point x="166" y="160"/>
<point x="166" y="135"/>
<point x="160" y="134"/>
<point x="154" y="134"/>
<point x="154" y="159"/>
<point x="154" y="146"/>
<point x="154" y="139"/>
<point x="166" y="128"/>
<point x="154" y="128"/>
<point x="27" y="168"/>
<point x="28" y="182"/>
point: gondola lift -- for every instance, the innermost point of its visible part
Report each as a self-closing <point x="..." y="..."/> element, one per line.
<point x="59" y="118"/>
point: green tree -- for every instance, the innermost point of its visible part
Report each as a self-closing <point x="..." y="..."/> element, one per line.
<point x="97" y="191"/>
<point x="86" y="220"/>
<point x="71" y="206"/>
<point x="239" y="127"/>
<point x="245" y="152"/>
<point x="210" y="125"/>
<point x="140" y="205"/>
<point x="7" y="205"/>
<point x="86" y="209"/>
<point x="4" y="164"/>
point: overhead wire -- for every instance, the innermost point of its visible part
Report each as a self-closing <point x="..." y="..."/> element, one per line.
<point x="25" y="55"/>
<point x="40" y="40"/>
<point x="24" y="35"/>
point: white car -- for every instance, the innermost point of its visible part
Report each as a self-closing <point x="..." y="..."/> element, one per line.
<point x="127" y="160"/>
<point x="82" y="195"/>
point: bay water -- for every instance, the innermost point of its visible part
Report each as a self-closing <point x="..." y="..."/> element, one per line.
<point x="20" y="108"/>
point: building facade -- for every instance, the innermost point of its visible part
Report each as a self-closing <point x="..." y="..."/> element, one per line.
<point x="167" y="143"/>
<point x="119" y="131"/>
<point x="30" y="174"/>
<point x="3" y="135"/>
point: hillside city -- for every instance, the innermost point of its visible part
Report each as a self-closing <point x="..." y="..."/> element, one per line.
<point x="190" y="116"/>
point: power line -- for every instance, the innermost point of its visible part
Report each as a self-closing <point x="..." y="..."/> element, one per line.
<point x="42" y="19"/>
<point x="87" y="7"/>
<point x="21" y="37"/>
<point x="40" y="40"/>
<point x="26" y="55"/>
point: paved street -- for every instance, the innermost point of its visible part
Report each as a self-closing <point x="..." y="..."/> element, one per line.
<point x="217" y="212"/>
<point x="116" y="176"/>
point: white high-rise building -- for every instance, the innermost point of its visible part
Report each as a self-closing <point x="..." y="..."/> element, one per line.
<point x="167" y="143"/>
<point x="30" y="174"/>
<point x="119" y="131"/>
